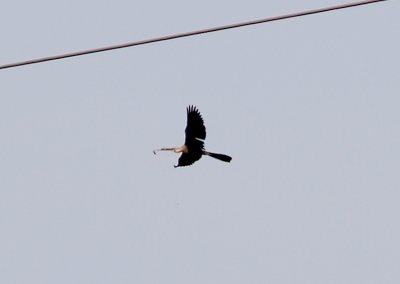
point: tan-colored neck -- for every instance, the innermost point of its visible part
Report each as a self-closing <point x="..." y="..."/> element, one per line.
<point x="182" y="149"/>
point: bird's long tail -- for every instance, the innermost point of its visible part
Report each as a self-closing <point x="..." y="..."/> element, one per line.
<point x="221" y="157"/>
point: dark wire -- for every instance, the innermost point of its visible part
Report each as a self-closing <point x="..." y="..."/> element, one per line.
<point x="187" y="34"/>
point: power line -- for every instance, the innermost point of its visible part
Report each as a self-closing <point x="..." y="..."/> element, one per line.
<point x="187" y="34"/>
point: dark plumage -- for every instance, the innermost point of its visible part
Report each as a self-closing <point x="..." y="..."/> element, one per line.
<point x="193" y="148"/>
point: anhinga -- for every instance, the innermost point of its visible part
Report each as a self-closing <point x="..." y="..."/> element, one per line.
<point x="193" y="148"/>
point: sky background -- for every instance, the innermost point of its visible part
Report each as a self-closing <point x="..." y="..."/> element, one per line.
<point x="307" y="107"/>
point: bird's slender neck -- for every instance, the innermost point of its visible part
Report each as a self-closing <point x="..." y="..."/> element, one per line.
<point x="182" y="149"/>
<point x="167" y="149"/>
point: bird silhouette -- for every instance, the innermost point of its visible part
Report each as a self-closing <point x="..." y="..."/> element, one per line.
<point x="193" y="149"/>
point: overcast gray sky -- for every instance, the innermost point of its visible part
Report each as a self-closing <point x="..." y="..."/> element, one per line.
<point x="308" y="108"/>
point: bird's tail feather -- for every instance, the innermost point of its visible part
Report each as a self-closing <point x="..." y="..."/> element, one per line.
<point x="221" y="157"/>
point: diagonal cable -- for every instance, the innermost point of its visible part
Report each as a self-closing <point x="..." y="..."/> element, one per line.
<point x="187" y="34"/>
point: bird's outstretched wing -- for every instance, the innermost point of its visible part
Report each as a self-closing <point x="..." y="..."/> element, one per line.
<point x="195" y="134"/>
<point x="188" y="159"/>
<point x="195" y="125"/>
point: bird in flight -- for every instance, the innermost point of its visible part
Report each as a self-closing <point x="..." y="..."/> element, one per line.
<point x="193" y="148"/>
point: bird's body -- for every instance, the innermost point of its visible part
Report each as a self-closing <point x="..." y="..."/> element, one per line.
<point x="193" y="149"/>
